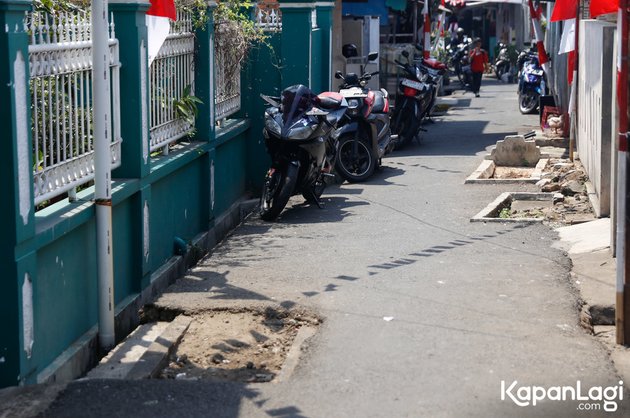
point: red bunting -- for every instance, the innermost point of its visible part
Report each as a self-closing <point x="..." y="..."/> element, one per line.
<point x="163" y="8"/>
<point x="602" y="7"/>
<point x="563" y="10"/>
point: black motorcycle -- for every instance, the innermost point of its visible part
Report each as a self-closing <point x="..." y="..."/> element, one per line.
<point x="297" y="135"/>
<point x="416" y="96"/>
<point x="364" y="133"/>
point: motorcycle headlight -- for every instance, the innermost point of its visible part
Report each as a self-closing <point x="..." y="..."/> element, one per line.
<point x="353" y="106"/>
<point x="301" y="131"/>
<point x="271" y="124"/>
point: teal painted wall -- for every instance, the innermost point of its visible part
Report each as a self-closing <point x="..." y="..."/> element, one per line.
<point x="261" y="75"/>
<point x="175" y="210"/>
<point x="317" y="81"/>
<point x="230" y="179"/>
<point x="64" y="292"/>
<point x="127" y="234"/>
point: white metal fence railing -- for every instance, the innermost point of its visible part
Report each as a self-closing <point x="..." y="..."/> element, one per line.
<point x="60" y="59"/>
<point x="227" y="98"/>
<point x="268" y="17"/>
<point x="170" y="74"/>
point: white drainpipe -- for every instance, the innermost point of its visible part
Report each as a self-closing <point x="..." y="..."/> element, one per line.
<point x="102" y="173"/>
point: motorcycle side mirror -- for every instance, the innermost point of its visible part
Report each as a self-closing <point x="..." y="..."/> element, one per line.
<point x="339" y="75"/>
<point x="372" y="56"/>
<point x="405" y="54"/>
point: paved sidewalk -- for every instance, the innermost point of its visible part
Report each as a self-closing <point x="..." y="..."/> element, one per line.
<point x="425" y="313"/>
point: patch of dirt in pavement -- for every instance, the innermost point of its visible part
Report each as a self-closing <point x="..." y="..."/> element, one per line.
<point x="501" y="172"/>
<point x="570" y="203"/>
<point x="236" y="346"/>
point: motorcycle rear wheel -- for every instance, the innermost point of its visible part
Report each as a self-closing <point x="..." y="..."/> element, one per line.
<point x="527" y="102"/>
<point x="355" y="168"/>
<point x="404" y="127"/>
<point x="278" y="188"/>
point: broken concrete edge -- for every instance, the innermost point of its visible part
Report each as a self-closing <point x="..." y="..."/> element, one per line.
<point x="487" y="214"/>
<point x="83" y="354"/>
<point x="482" y="173"/>
<point x="293" y="356"/>
<point x="155" y="358"/>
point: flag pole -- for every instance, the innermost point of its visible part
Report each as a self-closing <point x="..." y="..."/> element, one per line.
<point x="102" y="173"/>
<point x="426" y="49"/>
<point x="573" y="97"/>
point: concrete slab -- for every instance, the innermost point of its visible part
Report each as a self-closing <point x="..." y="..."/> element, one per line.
<point x="156" y="356"/>
<point x="585" y="237"/>
<point x="516" y="151"/>
<point x="446" y="101"/>
<point x="485" y="172"/>
<point x="594" y="274"/>
<point x="490" y="212"/>
<point x="119" y="362"/>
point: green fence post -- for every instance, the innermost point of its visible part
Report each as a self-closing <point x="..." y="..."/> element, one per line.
<point x="325" y="24"/>
<point x="17" y="214"/>
<point x="131" y="31"/>
<point x="204" y="76"/>
<point x="129" y="17"/>
<point x="204" y="90"/>
<point x="296" y="42"/>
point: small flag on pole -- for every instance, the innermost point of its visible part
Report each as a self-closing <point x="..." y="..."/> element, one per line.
<point x="158" y="25"/>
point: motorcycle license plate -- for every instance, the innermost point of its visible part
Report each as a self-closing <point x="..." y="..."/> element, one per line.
<point x="413" y="84"/>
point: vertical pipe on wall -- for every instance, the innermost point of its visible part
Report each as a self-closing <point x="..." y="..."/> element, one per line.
<point x="102" y="174"/>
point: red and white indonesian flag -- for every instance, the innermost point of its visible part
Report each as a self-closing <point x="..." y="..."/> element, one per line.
<point x="158" y="25"/>
<point x="602" y="7"/>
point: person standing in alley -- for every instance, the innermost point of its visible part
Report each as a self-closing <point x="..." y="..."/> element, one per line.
<point x="478" y="64"/>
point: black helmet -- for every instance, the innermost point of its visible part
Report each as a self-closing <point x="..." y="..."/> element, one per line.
<point x="349" y="50"/>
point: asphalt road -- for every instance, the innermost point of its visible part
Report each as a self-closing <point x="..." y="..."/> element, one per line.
<point x="472" y="304"/>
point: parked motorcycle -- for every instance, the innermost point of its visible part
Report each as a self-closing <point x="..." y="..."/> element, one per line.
<point x="504" y="62"/>
<point x="297" y="135"/>
<point x="501" y="63"/>
<point x="531" y="82"/>
<point x="414" y="100"/>
<point x="364" y="134"/>
<point x="459" y="61"/>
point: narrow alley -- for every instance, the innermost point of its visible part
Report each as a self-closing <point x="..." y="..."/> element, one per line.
<point x="423" y="312"/>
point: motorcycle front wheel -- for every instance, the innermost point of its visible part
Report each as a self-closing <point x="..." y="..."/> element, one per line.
<point x="355" y="161"/>
<point x="277" y="189"/>
<point x="527" y="102"/>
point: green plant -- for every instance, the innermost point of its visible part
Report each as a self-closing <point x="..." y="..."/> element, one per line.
<point x="56" y="6"/>
<point x="505" y="213"/>
<point x="235" y="33"/>
<point x="186" y="106"/>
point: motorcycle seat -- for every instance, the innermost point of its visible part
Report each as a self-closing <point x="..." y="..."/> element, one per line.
<point x="379" y="102"/>
<point x="330" y="100"/>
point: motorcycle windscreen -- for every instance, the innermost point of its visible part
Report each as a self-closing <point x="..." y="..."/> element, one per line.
<point x="296" y="101"/>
